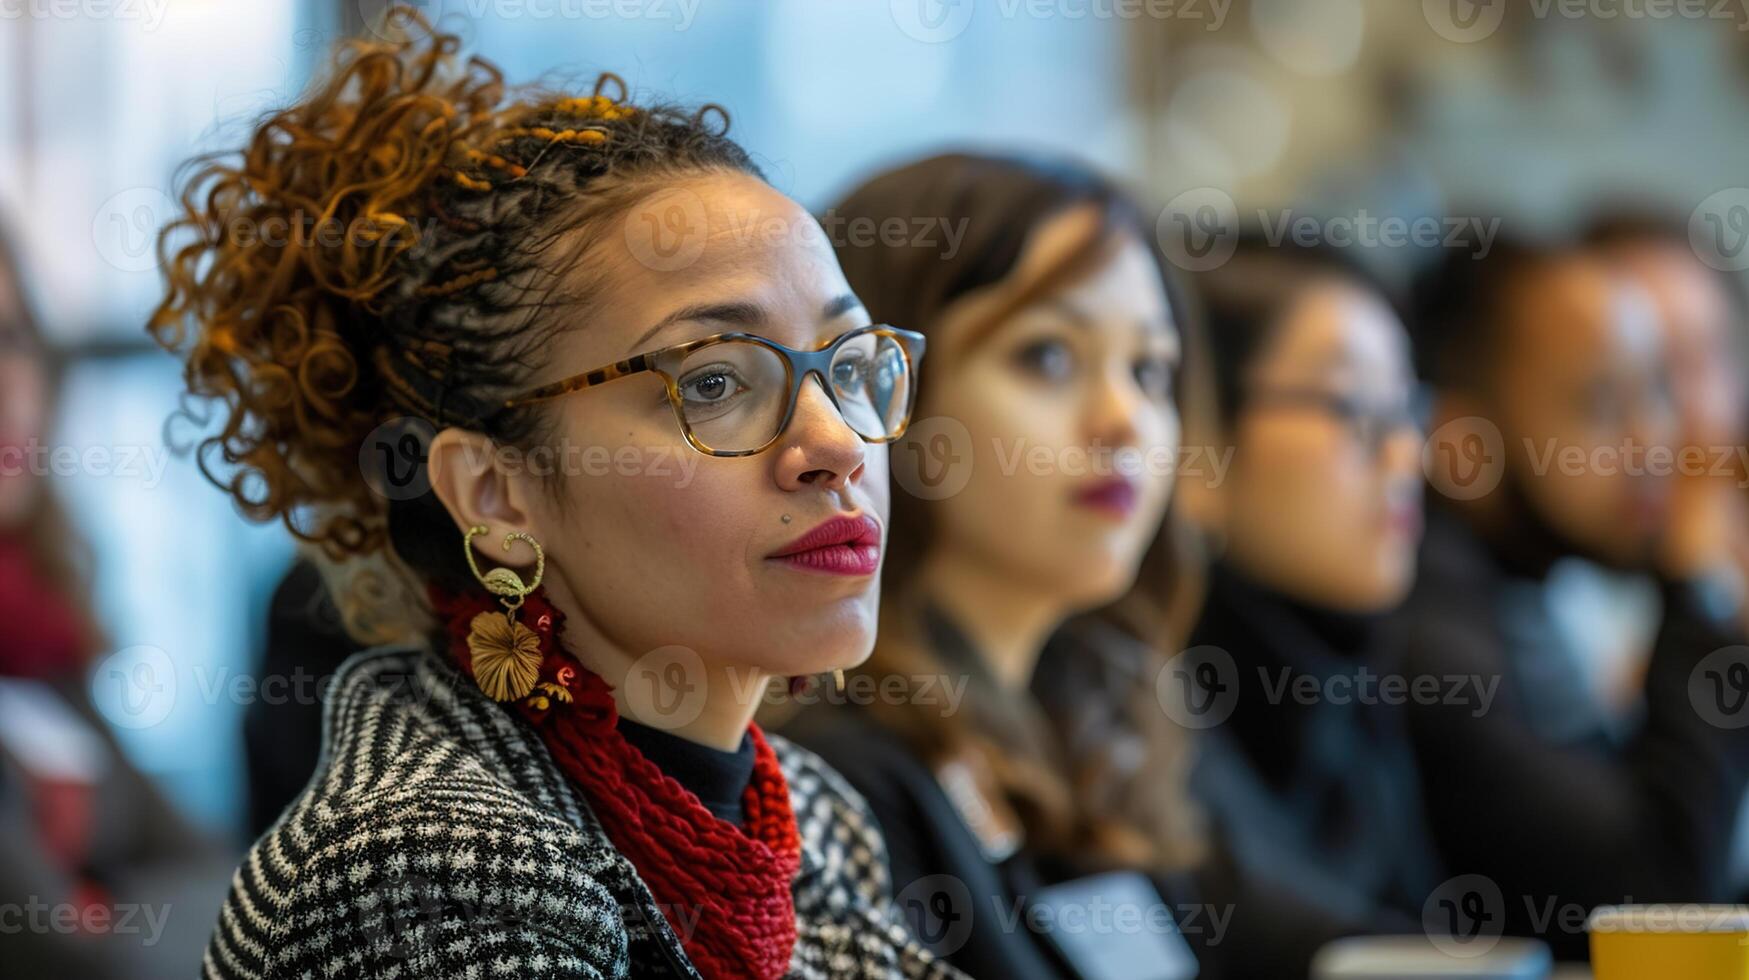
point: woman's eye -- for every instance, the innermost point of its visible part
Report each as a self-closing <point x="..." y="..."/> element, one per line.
<point x="1154" y="376"/>
<point x="849" y="373"/>
<point x="710" y="386"/>
<point x="1049" y="359"/>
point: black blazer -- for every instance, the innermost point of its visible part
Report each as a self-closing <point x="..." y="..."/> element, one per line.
<point x="963" y="903"/>
<point x="1538" y="793"/>
<point x="951" y="894"/>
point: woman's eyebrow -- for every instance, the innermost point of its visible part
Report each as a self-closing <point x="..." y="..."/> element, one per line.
<point x="739" y="314"/>
<point x="1080" y="317"/>
<point x="840" y="305"/>
<point x="1070" y="311"/>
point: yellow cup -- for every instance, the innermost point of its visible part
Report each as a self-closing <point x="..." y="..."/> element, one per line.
<point x="1669" y="942"/>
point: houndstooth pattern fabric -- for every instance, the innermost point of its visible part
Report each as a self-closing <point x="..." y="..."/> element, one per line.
<point x="438" y="839"/>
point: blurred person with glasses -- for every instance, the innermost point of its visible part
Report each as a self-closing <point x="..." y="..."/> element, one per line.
<point x="1305" y="772"/>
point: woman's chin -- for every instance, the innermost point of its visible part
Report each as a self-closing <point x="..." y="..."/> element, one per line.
<point x="820" y="641"/>
<point x="842" y="651"/>
<point x="1098" y="577"/>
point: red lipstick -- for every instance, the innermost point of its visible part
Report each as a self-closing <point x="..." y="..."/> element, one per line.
<point x="840" y="546"/>
<point x="1113" y="496"/>
<point x="1404" y="518"/>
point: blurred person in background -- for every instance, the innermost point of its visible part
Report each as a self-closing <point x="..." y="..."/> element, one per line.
<point x="1313" y="533"/>
<point x="87" y="843"/>
<point x="502" y="787"/>
<point x="1034" y="564"/>
<point x="1549" y="372"/>
<point x="1054" y="333"/>
<point x="1700" y="313"/>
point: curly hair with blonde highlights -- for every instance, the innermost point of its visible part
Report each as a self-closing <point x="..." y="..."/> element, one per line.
<point x="399" y="242"/>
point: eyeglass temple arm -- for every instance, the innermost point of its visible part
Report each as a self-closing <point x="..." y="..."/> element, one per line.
<point x="588" y="379"/>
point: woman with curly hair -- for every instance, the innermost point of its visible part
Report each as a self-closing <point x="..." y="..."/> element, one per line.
<point x="550" y="769"/>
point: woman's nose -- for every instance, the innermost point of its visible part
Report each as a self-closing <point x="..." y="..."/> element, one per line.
<point x="1113" y="407"/>
<point x="819" y="448"/>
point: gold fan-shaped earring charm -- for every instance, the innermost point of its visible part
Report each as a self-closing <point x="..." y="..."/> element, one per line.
<point x="506" y="654"/>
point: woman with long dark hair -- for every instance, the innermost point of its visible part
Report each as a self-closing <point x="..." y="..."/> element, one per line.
<point x="1031" y="531"/>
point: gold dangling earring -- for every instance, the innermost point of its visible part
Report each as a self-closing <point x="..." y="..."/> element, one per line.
<point x="506" y="654"/>
<point x="801" y="683"/>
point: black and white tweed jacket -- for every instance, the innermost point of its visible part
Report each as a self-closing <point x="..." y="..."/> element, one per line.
<point x="438" y="839"/>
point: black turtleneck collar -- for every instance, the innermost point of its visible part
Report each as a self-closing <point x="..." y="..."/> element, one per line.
<point x="719" y="779"/>
<point x="1274" y="639"/>
<point x="1316" y="633"/>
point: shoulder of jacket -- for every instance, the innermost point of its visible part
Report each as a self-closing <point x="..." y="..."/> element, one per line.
<point x="844" y="903"/>
<point x="387" y="876"/>
<point x="410" y="828"/>
<point x="812" y="782"/>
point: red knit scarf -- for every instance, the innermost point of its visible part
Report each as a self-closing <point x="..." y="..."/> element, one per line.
<point x="725" y="889"/>
<point x="41" y="635"/>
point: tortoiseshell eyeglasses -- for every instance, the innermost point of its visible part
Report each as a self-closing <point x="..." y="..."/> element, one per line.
<point x="734" y="393"/>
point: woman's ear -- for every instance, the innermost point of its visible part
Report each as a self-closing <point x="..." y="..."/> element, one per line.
<point x="470" y="479"/>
